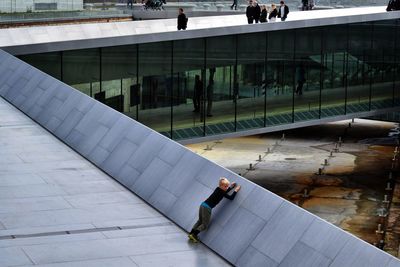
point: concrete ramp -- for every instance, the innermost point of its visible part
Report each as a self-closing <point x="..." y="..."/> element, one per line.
<point x="258" y="228"/>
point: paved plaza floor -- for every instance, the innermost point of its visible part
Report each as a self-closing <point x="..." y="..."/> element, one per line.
<point x="57" y="209"/>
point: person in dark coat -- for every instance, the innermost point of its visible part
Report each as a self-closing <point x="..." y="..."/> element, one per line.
<point x="283" y="11"/>
<point x="235" y="2"/>
<point x="257" y="12"/>
<point x="393" y="5"/>
<point x="250" y="12"/>
<point x="264" y="13"/>
<point x="197" y="93"/>
<point x="273" y="13"/>
<point x="182" y="20"/>
<point x="304" y="5"/>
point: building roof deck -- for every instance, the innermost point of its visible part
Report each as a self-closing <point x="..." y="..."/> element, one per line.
<point x="28" y="40"/>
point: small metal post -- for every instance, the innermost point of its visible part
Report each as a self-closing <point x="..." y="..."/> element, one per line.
<point x="259" y="158"/>
<point x="319" y="171"/>
<point x="251" y="168"/>
<point x="385" y="199"/>
<point x="388" y="187"/>
<point x="390" y="175"/>
<point x="305" y="194"/>
<point x="352" y="120"/>
<point x="379" y="230"/>
<point x="325" y="162"/>
<point x="283" y="137"/>
<point x="208" y="148"/>
<point x="349" y="124"/>
<point x="340" y="141"/>
<point x="331" y="154"/>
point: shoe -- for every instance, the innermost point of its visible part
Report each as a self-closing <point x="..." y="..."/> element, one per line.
<point x="193" y="238"/>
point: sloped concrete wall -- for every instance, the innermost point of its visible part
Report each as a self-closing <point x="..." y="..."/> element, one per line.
<point x="258" y="228"/>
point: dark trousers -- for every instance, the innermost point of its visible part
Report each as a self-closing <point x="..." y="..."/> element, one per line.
<point x="250" y="20"/>
<point x="203" y="221"/>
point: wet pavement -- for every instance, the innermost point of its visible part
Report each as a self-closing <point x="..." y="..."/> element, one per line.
<point x="349" y="188"/>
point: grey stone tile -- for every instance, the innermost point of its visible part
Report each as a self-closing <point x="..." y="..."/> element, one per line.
<point x="48" y="83"/>
<point x="146" y="152"/>
<point x="45" y="229"/>
<point x="333" y="241"/>
<point x="51" y="107"/>
<point x="32" y="190"/>
<point x="74" y="139"/>
<point x="357" y="253"/>
<point x="137" y="222"/>
<point x="282" y="232"/>
<point x="98" y="155"/>
<point x="303" y="255"/>
<point x="183" y="173"/>
<point x="34" y="111"/>
<point x="31" y="100"/>
<point x="53" y="124"/>
<point x="127" y="175"/>
<point x="171" y="153"/>
<point x="143" y="231"/>
<point x="91" y="187"/>
<point x="13" y="257"/>
<point x="151" y="178"/>
<point x="186" y="209"/>
<point x="262" y="203"/>
<point x="32" y="204"/>
<point x="95" y="199"/>
<point x="89" y="121"/>
<point x="234" y="238"/>
<point x="87" y="250"/>
<point x="109" y="118"/>
<point x="137" y="133"/>
<point x="27" y="241"/>
<point x="110" y="262"/>
<point x="116" y="134"/>
<point x="394" y="262"/>
<point x="118" y="157"/>
<point x="69" y="103"/>
<point x="44" y="99"/>
<point x="107" y="212"/>
<point x="69" y="123"/>
<point x="197" y="257"/>
<point x="87" y="144"/>
<point x="253" y="258"/>
<point x="162" y="200"/>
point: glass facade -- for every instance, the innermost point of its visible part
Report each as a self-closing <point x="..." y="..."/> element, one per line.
<point x="214" y="85"/>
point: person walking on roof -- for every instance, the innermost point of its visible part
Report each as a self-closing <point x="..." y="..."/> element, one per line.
<point x="283" y="11"/>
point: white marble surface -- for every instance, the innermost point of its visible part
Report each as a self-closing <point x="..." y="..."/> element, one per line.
<point x="27" y="40"/>
<point x="39" y="195"/>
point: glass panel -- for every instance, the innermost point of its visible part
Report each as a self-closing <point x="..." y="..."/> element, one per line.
<point x="383" y="64"/>
<point x="156" y="85"/>
<point x="308" y="74"/>
<point x="251" y="74"/>
<point x="188" y="63"/>
<point x="49" y="63"/>
<point x="219" y="74"/>
<point x="119" y="78"/>
<point x="334" y="56"/>
<point x="81" y="69"/>
<point x="396" y="77"/>
<point x="280" y="77"/>
<point x="358" y="68"/>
